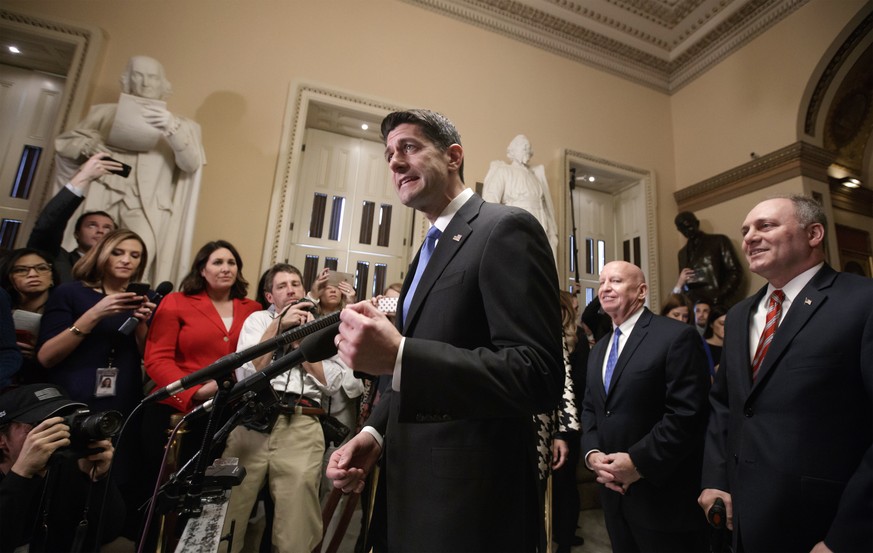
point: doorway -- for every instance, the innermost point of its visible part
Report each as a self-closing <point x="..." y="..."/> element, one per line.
<point x="333" y="202"/>
<point x="612" y="208"/>
<point x="42" y="92"/>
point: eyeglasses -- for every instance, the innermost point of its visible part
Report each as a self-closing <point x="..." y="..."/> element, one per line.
<point x="24" y="270"/>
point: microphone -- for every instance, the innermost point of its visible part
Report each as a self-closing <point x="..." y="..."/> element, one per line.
<point x="316" y="347"/>
<point x="233" y="360"/>
<point x="162" y="290"/>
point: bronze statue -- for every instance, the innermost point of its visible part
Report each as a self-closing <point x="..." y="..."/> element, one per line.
<point x="709" y="267"/>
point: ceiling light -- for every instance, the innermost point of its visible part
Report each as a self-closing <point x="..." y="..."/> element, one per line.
<point x="590" y="179"/>
<point x="14" y="50"/>
<point x="364" y="126"/>
<point x="851" y="182"/>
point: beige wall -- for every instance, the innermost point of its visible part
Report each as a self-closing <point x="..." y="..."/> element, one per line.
<point x="232" y="64"/>
<point x="751" y="102"/>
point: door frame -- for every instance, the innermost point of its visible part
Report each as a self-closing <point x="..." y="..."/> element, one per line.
<point x="286" y="185"/>
<point x="88" y="42"/>
<point x="623" y="176"/>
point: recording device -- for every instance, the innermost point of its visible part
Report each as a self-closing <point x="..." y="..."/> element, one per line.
<point x="717" y="517"/>
<point x="335" y="277"/>
<point x="697" y="279"/>
<point x="87" y="427"/>
<point x="305" y="304"/>
<point x="124" y="172"/>
<point x="717" y="514"/>
<point x="318" y="346"/>
<point x="387" y="305"/>
<point x="141" y="289"/>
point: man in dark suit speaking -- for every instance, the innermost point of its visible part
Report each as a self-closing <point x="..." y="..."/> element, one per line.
<point x="476" y="352"/>
<point x="643" y="419"/>
<point x="788" y="448"/>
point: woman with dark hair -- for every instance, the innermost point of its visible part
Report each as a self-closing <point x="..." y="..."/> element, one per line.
<point x="677" y="307"/>
<point x="28" y="276"/>
<point x="79" y="339"/>
<point x="192" y="328"/>
<point x="199" y="324"/>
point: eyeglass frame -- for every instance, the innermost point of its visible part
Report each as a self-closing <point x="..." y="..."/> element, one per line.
<point x="24" y="270"/>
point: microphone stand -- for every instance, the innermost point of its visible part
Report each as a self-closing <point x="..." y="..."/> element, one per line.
<point x="575" y="252"/>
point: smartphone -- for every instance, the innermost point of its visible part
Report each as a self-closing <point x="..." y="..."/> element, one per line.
<point x="388" y="305"/>
<point x="139" y="288"/>
<point x="335" y="277"/>
<point x="123" y="172"/>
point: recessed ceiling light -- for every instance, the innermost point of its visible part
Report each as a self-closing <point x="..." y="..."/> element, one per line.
<point x="14" y="50"/>
<point x="590" y="179"/>
<point x="851" y="182"/>
<point x="364" y="126"/>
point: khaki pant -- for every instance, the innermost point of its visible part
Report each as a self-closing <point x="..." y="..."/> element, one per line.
<point x="291" y="455"/>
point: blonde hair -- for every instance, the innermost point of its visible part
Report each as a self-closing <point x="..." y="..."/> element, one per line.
<point x="90" y="268"/>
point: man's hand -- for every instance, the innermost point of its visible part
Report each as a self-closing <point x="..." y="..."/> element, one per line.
<point x="93" y="169"/>
<point x="43" y="440"/>
<point x="367" y="340"/>
<point x="560" y="451"/>
<point x="295" y="316"/>
<point x="616" y="471"/>
<point x="707" y="499"/>
<point x="97" y="464"/>
<point x="349" y="465"/>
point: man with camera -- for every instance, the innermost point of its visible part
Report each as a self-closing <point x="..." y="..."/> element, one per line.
<point x="52" y="478"/>
<point x="288" y="443"/>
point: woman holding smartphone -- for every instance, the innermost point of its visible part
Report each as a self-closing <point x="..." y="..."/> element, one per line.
<point x="79" y="342"/>
<point x="28" y="276"/>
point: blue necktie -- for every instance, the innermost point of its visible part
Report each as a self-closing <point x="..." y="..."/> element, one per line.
<point x="612" y="360"/>
<point x="423" y="257"/>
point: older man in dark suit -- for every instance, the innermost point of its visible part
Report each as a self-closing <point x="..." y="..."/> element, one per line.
<point x="478" y="345"/>
<point x="643" y="419"/>
<point x="788" y="448"/>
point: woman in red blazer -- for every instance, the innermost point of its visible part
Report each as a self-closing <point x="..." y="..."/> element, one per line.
<point x="191" y="329"/>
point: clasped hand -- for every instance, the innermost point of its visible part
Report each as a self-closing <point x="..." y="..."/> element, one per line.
<point x="616" y="471"/>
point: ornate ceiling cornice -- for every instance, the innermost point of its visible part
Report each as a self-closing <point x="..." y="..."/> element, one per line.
<point x="663" y="45"/>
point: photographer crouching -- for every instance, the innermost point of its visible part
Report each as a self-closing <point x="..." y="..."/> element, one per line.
<point x="53" y="477"/>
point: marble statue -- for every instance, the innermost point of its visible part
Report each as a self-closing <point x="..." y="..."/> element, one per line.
<point x="518" y="184"/>
<point x="158" y="199"/>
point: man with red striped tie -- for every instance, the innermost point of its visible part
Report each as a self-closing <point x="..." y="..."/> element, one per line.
<point x="788" y="447"/>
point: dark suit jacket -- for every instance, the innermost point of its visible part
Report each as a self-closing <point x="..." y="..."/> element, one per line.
<point x="48" y="231"/>
<point x="482" y="354"/>
<point x="794" y="449"/>
<point x="656" y="412"/>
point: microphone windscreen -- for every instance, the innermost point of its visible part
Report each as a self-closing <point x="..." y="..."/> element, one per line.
<point x="164" y="288"/>
<point x="319" y="345"/>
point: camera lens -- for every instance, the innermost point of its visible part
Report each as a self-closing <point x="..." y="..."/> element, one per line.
<point x="100" y="426"/>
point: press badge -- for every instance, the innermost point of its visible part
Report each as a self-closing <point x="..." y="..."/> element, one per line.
<point x="106" y="379"/>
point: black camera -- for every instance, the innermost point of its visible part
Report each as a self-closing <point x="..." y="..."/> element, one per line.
<point x="87" y="427"/>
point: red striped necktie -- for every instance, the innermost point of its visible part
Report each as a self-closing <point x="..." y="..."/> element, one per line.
<point x="774" y="314"/>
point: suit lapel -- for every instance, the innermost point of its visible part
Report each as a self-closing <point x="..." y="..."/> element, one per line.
<point x="450" y="243"/>
<point x="802" y="309"/>
<point x="203" y="304"/>
<point x="641" y="329"/>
